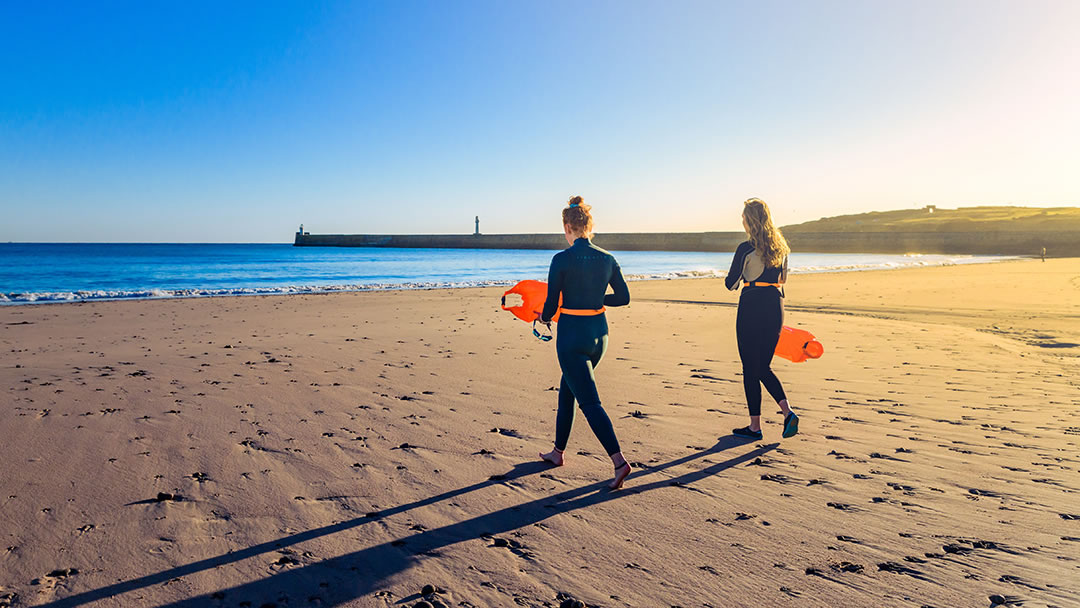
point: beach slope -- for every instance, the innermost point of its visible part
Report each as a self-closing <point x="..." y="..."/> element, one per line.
<point x="348" y="449"/>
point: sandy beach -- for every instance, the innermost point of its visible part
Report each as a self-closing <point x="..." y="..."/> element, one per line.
<point x="349" y="449"/>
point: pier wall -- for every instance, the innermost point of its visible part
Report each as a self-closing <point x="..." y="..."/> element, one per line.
<point x="627" y="241"/>
<point x="1058" y="244"/>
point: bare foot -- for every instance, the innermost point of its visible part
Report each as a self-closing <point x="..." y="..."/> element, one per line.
<point x="621" y="473"/>
<point x="554" y="457"/>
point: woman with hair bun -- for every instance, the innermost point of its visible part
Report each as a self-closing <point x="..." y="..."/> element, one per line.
<point x="760" y="265"/>
<point x="581" y="274"/>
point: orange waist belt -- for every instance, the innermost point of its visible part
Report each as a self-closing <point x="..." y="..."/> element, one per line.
<point x="760" y="284"/>
<point x="582" y="313"/>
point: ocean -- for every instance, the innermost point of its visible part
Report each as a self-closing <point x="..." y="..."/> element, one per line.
<point x="75" y="272"/>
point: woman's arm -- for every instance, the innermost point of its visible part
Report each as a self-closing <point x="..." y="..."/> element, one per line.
<point x="551" y="304"/>
<point x="734" y="275"/>
<point x="783" y="277"/>
<point x="621" y="295"/>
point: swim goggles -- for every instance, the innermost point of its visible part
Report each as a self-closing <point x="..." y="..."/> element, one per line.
<point x="542" y="337"/>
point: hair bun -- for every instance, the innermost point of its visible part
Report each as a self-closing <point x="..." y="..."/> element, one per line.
<point x="576" y="201"/>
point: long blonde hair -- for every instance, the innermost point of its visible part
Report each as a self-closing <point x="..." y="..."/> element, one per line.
<point x="764" y="236"/>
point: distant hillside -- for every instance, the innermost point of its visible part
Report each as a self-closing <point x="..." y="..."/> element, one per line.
<point x="965" y="219"/>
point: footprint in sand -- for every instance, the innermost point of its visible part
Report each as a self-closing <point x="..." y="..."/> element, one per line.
<point x="847" y="567"/>
<point x="777" y="477"/>
<point x="897" y="568"/>
<point x="840" y="455"/>
<point x="288" y="560"/>
<point x="54" y="578"/>
<point x="1016" y="580"/>
<point x="976" y="492"/>
<point x="507" y="432"/>
<point x="880" y="456"/>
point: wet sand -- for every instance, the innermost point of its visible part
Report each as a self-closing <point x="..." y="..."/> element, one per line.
<point x="348" y="449"/>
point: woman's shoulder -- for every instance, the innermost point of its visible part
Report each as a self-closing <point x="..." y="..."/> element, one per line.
<point x="601" y="251"/>
<point x="744" y="247"/>
<point x="562" y="256"/>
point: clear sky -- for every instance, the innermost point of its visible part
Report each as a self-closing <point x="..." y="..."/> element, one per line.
<point x="233" y="122"/>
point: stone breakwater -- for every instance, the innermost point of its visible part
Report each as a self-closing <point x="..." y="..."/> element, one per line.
<point x="659" y="241"/>
<point x="1057" y="244"/>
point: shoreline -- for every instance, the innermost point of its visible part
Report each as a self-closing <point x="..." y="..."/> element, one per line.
<point x="11" y="299"/>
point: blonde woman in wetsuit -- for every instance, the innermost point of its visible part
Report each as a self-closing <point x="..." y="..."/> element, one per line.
<point x="582" y="274"/>
<point x="760" y="266"/>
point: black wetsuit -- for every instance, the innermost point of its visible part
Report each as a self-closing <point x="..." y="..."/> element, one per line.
<point x="582" y="274"/>
<point x="757" y="324"/>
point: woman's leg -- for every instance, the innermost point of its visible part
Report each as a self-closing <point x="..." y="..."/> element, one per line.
<point x="564" y="423"/>
<point x="766" y="375"/>
<point x="791" y="421"/>
<point x="772" y="311"/>
<point x="749" y="342"/>
<point x="580" y="350"/>
<point x="578" y="374"/>
<point x="610" y="442"/>
<point x="564" y="418"/>
<point x="776" y="390"/>
<point x="571" y="349"/>
<point x="773" y="322"/>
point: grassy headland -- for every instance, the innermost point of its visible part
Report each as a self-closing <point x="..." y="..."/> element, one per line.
<point x="964" y="219"/>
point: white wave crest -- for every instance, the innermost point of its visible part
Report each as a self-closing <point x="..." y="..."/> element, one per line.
<point x="157" y="294"/>
<point x="912" y="261"/>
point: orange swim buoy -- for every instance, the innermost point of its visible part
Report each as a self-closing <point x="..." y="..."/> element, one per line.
<point x="798" y="345"/>
<point x="533" y="294"/>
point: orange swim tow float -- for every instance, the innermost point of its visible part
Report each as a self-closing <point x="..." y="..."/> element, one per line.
<point x="798" y="345"/>
<point x="533" y="294"/>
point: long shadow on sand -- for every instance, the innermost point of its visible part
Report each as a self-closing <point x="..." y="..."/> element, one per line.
<point x="342" y="579"/>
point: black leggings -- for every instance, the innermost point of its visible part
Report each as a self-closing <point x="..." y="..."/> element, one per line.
<point x="581" y="345"/>
<point x="757" y="329"/>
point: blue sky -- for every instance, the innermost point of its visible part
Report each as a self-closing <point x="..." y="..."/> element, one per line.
<point x="233" y="122"/>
